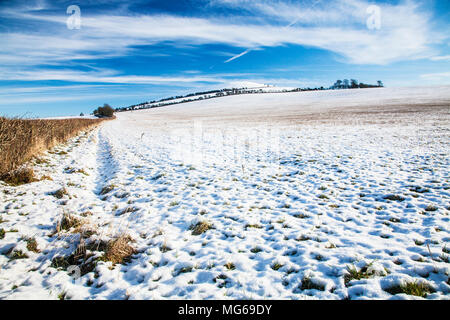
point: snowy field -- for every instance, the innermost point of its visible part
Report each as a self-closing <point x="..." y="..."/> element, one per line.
<point x="309" y="195"/>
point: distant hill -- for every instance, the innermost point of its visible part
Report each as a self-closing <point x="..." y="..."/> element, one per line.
<point x="257" y="88"/>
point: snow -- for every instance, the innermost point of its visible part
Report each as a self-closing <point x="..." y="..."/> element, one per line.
<point x="295" y="186"/>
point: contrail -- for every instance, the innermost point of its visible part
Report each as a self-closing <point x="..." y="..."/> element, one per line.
<point x="238" y="55"/>
<point x="288" y="26"/>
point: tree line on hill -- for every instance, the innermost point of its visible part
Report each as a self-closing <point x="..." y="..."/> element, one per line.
<point x="203" y="95"/>
<point x="354" y="84"/>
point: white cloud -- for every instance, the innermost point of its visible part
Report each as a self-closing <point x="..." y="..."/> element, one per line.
<point x="337" y="26"/>
<point x="440" y="58"/>
<point x="102" y="76"/>
<point x="436" y="76"/>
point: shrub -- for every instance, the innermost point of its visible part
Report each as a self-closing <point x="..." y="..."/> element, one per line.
<point x="105" y="111"/>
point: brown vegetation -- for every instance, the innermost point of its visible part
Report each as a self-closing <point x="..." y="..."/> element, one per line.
<point x="119" y="250"/>
<point x="19" y="176"/>
<point x="22" y="139"/>
<point x="200" y="228"/>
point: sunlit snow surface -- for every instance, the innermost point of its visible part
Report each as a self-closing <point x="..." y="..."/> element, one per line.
<point x="294" y="185"/>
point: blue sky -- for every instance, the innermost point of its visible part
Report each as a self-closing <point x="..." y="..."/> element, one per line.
<point x="127" y="52"/>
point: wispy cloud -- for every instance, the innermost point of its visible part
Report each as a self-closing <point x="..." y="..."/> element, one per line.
<point x="441" y="58"/>
<point x="436" y="76"/>
<point x="339" y="27"/>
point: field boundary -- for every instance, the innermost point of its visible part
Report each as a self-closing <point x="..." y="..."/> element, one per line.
<point x="23" y="139"/>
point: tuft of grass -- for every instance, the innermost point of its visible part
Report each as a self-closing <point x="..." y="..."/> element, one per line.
<point x="276" y="266"/>
<point x="418" y="189"/>
<point x="394" y="197"/>
<point x="303" y="237"/>
<point x="41" y="161"/>
<point x="119" y="250"/>
<point x="301" y="216"/>
<point x="415" y="288"/>
<point x="222" y="280"/>
<point x="164" y="248"/>
<point x="229" y="266"/>
<point x="183" y="270"/>
<point x="67" y="222"/>
<point x="60" y="193"/>
<point x="445" y="258"/>
<point x="431" y="208"/>
<point x="62" y="296"/>
<point x="86" y="262"/>
<point x="256" y="226"/>
<point x="82" y="171"/>
<point x="2" y="233"/>
<point x="32" y="245"/>
<point x="19" y="177"/>
<point x="355" y="274"/>
<point x="18" y="254"/>
<point x="107" y="189"/>
<point x="255" y="250"/>
<point x="200" y="227"/>
<point x="129" y="209"/>
<point x="308" y="284"/>
<point x="174" y="203"/>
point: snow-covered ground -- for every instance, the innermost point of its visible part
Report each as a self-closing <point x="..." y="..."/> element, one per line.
<point x="297" y="189"/>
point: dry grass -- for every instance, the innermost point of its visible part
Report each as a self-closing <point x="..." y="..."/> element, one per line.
<point x="119" y="250"/>
<point x="32" y="245"/>
<point x="230" y="266"/>
<point x="200" y="228"/>
<point x="116" y="250"/>
<point x="60" y="193"/>
<point x="19" y="176"/>
<point x="67" y="222"/>
<point x="22" y="139"/>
